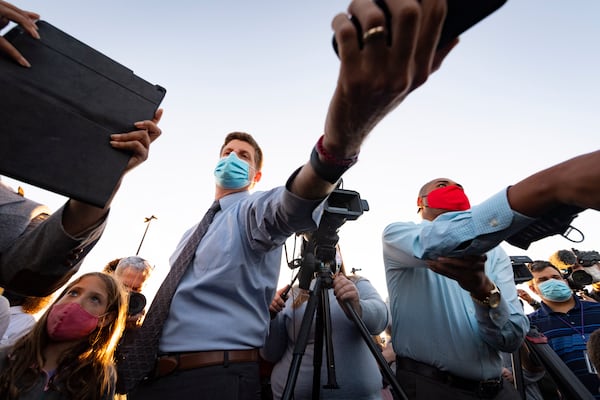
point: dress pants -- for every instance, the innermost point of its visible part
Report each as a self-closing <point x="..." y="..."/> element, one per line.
<point x="236" y="381"/>
<point x="418" y="387"/>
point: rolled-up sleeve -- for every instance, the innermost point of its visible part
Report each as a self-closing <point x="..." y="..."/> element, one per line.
<point x="460" y="233"/>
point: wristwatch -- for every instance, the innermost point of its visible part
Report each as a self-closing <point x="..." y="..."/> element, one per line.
<point x="492" y="299"/>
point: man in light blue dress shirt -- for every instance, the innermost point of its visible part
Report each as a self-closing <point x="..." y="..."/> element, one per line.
<point x="219" y="315"/>
<point x="452" y="317"/>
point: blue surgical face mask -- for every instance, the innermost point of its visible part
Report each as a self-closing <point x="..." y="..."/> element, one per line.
<point x="232" y="173"/>
<point x="555" y="290"/>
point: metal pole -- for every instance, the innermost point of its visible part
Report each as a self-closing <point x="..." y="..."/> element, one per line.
<point x="147" y="221"/>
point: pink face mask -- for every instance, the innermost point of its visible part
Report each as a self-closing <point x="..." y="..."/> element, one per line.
<point x="451" y="198"/>
<point x="69" y="321"/>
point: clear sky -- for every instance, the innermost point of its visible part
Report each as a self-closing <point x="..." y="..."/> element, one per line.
<point x="519" y="94"/>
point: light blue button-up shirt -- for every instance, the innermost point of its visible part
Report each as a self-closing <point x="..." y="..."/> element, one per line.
<point x="434" y="320"/>
<point x="222" y="301"/>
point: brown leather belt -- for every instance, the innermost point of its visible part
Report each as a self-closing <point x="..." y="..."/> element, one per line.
<point x="183" y="361"/>
<point x="485" y="389"/>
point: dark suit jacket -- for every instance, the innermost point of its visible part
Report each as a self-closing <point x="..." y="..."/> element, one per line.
<point x="36" y="255"/>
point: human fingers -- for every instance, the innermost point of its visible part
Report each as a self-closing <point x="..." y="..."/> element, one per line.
<point x="277" y="304"/>
<point x="374" y="80"/>
<point x="157" y="116"/>
<point x="345" y="36"/>
<point x="274" y="309"/>
<point x="26" y="19"/>
<point x="128" y="140"/>
<point x="32" y="15"/>
<point x="403" y="31"/>
<point x="370" y="22"/>
<point x="13" y="53"/>
<point x="469" y="272"/>
<point x="433" y="14"/>
<point x="152" y="125"/>
<point x="22" y="17"/>
<point x="467" y="262"/>
<point x="135" y="142"/>
<point x="413" y="29"/>
<point x="441" y="54"/>
<point x="344" y="289"/>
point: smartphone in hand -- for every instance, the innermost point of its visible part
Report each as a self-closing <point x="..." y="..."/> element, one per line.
<point x="461" y="15"/>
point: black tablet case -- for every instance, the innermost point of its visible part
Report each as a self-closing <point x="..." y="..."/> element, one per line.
<point x="56" y="117"/>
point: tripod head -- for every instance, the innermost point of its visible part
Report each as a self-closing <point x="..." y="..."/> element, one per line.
<point x="321" y="259"/>
<point x="319" y="250"/>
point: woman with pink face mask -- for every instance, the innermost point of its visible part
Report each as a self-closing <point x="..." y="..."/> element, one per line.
<point x="69" y="354"/>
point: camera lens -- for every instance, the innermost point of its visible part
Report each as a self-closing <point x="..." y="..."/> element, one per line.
<point x="137" y="302"/>
<point x="581" y="278"/>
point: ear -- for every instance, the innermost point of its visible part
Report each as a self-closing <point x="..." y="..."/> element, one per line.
<point x="533" y="288"/>
<point x="257" y="176"/>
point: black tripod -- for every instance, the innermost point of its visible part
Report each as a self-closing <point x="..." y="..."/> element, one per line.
<point x="318" y="303"/>
<point x="568" y="384"/>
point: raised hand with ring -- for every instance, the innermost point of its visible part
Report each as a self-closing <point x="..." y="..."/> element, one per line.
<point x="374" y="32"/>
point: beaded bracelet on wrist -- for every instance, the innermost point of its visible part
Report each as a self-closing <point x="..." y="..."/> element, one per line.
<point x="332" y="168"/>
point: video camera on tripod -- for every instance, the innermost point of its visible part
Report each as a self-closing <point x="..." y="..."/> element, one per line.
<point x="320" y="245"/>
<point x="319" y="261"/>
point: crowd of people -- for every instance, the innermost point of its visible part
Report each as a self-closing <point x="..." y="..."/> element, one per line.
<point x="454" y="313"/>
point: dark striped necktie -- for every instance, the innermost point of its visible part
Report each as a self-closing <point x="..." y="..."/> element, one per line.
<point x="139" y="347"/>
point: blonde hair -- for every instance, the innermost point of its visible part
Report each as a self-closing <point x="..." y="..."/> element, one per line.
<point x="86" y="371"/>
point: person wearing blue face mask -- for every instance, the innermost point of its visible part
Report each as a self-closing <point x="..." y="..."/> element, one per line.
<point x="202" y="332"/>
<point x="565" y="320"/>
<point x="232" y="172"/>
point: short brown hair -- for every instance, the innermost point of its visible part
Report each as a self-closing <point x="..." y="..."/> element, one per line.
<point x="540" y="265"/>
<point x="245" y="137"/>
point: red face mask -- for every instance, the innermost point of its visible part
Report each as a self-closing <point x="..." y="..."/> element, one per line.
<point x="451" y="198"/>
<point x="69" y="321"/>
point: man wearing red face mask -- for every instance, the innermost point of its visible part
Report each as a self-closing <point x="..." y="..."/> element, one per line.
<point x="452" y="317"/>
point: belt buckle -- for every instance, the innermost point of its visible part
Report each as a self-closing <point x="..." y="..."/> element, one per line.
<point x="489" y="388"/>
<point x="166" y="365"/>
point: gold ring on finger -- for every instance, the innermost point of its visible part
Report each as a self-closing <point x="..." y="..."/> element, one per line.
<point x="372" y="32"/>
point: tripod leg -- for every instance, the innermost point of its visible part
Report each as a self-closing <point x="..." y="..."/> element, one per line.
<point x="301" y="342"/>
<point x="318" y="348"/>
<point x="331" y="378"/>
<point x="385" y="368"/>
<point x="518" y="372"/>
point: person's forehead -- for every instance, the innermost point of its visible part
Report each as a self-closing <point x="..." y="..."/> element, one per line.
<point x="91" y="284"/>
<point x="133" y="273"/>
<point x="548" y="271"/>
<point x="237" y="144"/>
<point x="441" y="181"/>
